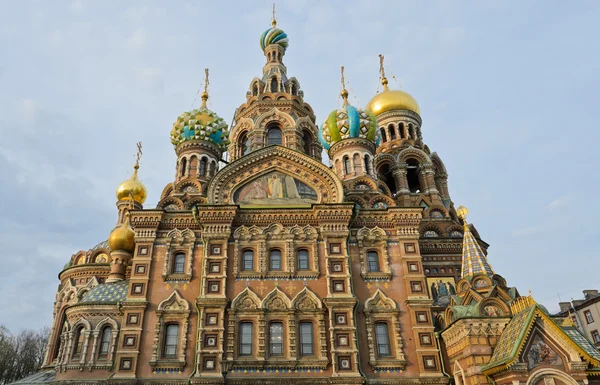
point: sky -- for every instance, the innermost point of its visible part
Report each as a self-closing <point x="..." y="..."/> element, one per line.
<point x="508" y="92"/>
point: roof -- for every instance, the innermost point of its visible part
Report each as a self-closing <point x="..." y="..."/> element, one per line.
<point x="41" y="377"/>
<point x="101" y="245"/>
<point x="474" y="260"/>
<point x="515" y="334"/>
<point x="107" y="293"/>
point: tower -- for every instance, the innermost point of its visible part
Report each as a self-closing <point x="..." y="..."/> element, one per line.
<point x="350" y="135"/>
<point x="274" y="112"/>
<point x="199" y="137"/>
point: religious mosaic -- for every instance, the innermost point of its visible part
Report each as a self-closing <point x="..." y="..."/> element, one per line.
<point x="275" y="188"/>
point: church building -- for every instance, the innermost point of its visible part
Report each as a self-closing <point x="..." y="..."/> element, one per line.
<point x="263" y="265"/>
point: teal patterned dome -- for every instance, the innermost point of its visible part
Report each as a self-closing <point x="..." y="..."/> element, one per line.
<point x="348" y="122"/>
<point x="200" y="124"/>
<point x="274" y="35"/>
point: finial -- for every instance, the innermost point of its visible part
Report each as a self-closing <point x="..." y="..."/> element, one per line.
<point x="384" y="80"/>
<point x="462" y="212"/>
<point x="273" y="19"/>
<point x="205" y="93"/>
<point x="344" y="91"/>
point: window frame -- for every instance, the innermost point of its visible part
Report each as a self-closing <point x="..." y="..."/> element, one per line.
<point x="103" y="353"/>
<point x="174" y="267"/>
<point x="166" y="343"/>
<point x="588" y="316"/>
<point x="271" y="254"/>
<point x="371" y="263"/>
<point x="311" y="339"/>
<point x="78" y="341"/>
<point x="244" y="259"/>
<point x="243" y="344"/>
<point x="595" y="336"/>
<point x="273" y="345"/>
<point x="306" y="253"/>
<point x="270" y="139"/>
<point x="379" y="343"/>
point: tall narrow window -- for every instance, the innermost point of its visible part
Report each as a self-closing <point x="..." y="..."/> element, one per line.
<point x="401" y="130"/>
<point x="246" y="338"/>
<point x="78" y="342"/>
<point x="276" y="339"/>
<point x="275" y="260"/>
<point x="179" y="263"/>
<point x="274" y="136"/>
<point x="255" y="89"/>
<point x="303" y="260"/>
<point x="244" y="144"/>
<point x="392" y="131"/>
<point x="171" y="341"/>
<point x="306" y="142"/>
<point x="373" y="261"/>
<point x="203" y="163"/>
<point x="367" y="168"/>
<point x="183" y="166"/>
<point x="105" y="342"/>
<point x="248" y="260"/>
<point x="383" y="339"/>
<point x="412" y="176"/>
<point x="306" y="339"/>
<point x="274" y="84"/>
<point x="347" y="166"/>
<point x="383" y="135"/>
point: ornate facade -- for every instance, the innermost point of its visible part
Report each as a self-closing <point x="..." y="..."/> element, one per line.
<point x="274" y="267"/>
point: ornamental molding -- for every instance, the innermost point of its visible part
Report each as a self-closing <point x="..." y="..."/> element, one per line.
<point x="275" y="158"/>
<point x="384" y="118"/>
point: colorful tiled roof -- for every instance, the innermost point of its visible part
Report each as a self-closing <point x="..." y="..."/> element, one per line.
<point x="474" y="260"/>
<point x="515" y="335"/>
<point x="107" y="293"/>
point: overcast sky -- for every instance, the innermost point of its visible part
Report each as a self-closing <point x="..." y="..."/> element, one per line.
<point x="508" y="94"/>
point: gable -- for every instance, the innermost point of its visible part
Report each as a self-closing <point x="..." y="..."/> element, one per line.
<point x="275" y="176"/>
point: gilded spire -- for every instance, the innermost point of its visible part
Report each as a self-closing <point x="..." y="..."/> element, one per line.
<point x="384" y="80"/>
<point x="273" y="19"/>
<point x="132" y="188"/>
<point x="344" y="93"/>
<point x="205" y="93"/>
<point x="474" y="260"/>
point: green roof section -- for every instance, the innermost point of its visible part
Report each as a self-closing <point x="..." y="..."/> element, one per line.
<point x="107" y="293"/>
<point x="583" y="342"/>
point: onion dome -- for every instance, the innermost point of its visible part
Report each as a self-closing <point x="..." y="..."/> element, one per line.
<point x="274" y="35"/>
<point x="390" y="100"/>
<point x="132" y="188"/>
<point x="122" y="237"/>
<point x="348" y="122"/>
<point x="201" y="124"/>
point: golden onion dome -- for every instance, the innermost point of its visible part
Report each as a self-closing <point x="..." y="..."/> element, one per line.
<point x="389" y="100"/>
<point x="122" y="237"/>
<point x="132" y="188"/>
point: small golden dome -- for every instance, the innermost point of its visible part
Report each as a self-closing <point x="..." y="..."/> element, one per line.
<point x="132" y="187"/>
<point x="122" y="237"/>
<point x="389" y="100"/>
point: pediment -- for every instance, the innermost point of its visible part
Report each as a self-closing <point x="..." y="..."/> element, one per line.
<point x="275" y="176"/>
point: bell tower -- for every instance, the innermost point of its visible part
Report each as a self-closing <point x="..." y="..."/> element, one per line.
<point x="274" y="112"/>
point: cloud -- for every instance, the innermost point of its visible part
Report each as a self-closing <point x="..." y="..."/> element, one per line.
<point x="559" y="202"/>
<point x="138" y="39"/>
<point x="526" y="231"/>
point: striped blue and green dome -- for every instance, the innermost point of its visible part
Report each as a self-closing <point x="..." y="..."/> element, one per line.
<point x="200" y="124"/>
<point x="348" y="122"/>
<point x="274" y="36"/>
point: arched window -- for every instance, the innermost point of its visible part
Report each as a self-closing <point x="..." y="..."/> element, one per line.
<point x="255" y="89"/>
<point x="171" y="341"/>
<point x="274" y="136"/>
<point x="248" y="260"/>
<point x="203" y="164"/>
<point x="411" y="132"/>
<point x="383" y="339"/>
<point x="105" y="339"/>
<point x="213" y="168"/>
<point x="392" y="131"/>
<point x="179" y="263"/>
<point x="276" y="339"/>
<point x="401" y="130"/>
<point x="306" y="142"/>
<point x="274" y="84"/>
<point x="244" y="144"/>
<point x="373" y="261"/>
<point x="246" y="336"/>
<point x="275" y="260"/>
<point x="367" y="168"/>
<point x="183" y="166"/>
<point x="294" y="90"/>
<point x="347" y="166"/>
<point x="302" y="256"/>
<point x="412" y="176"/>
<point x="306" y="339"/>
<point x="383" y="135"/>
<point x="386" y="176"/>
<point x="78" y="341"/>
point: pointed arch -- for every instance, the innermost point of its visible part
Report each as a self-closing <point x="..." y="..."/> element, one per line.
<point x="246" y="300"/>
<point x="380" y="301"/>
<point x="306" y="299"/>
<point x="276" y="300"/>
<point x="175" y="302"/>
